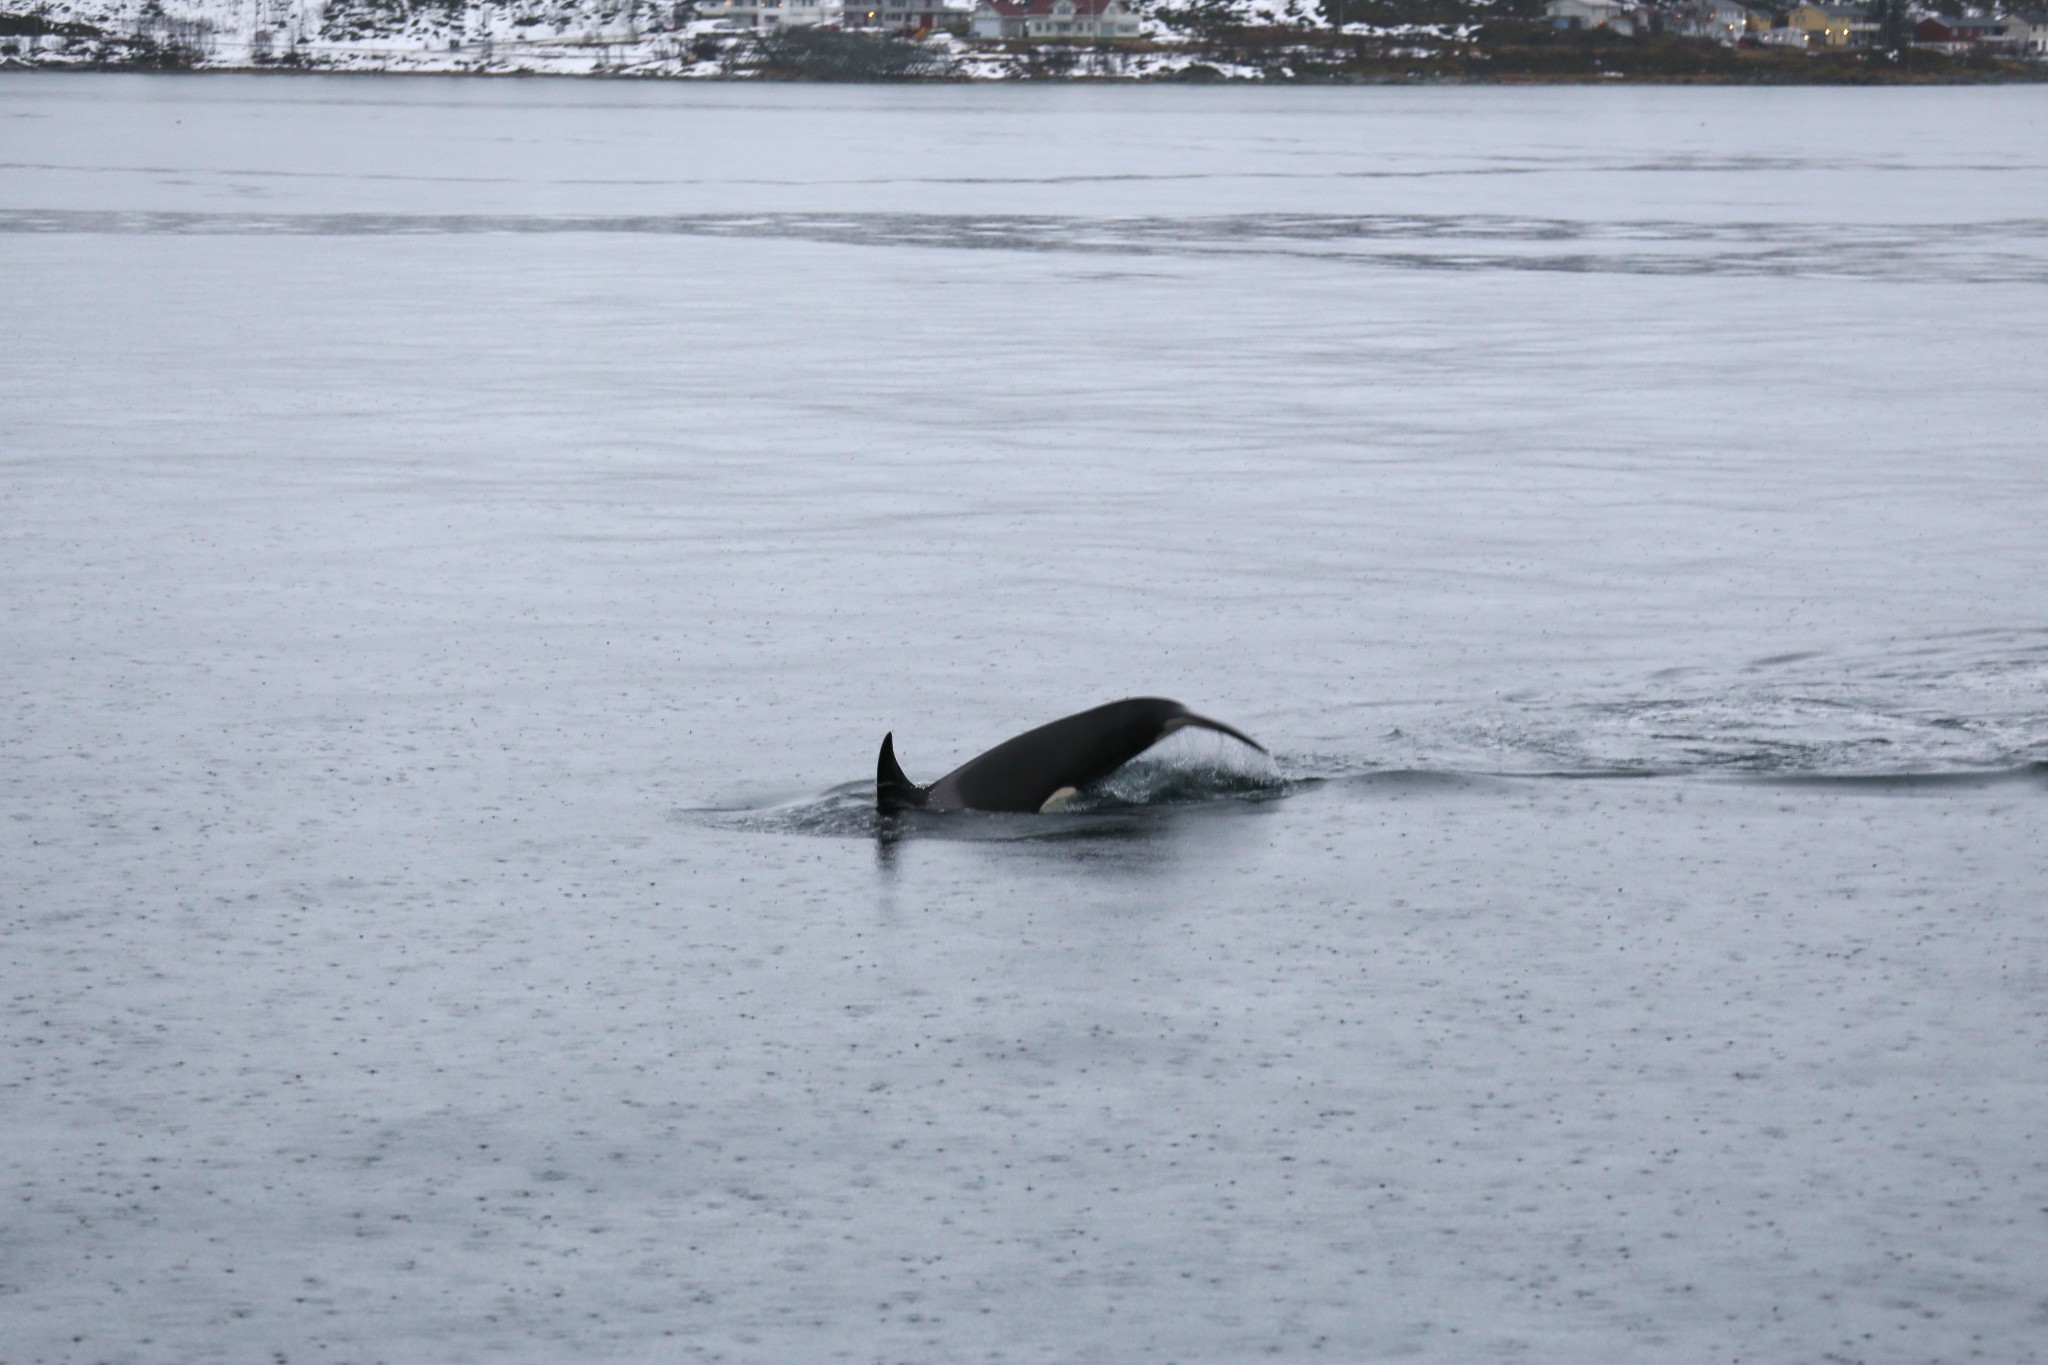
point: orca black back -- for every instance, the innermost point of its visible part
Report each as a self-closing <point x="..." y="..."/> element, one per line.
<point x="1031" y="770"/>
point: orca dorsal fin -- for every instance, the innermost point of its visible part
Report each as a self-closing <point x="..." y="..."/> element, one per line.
<point x="894" y="791"/>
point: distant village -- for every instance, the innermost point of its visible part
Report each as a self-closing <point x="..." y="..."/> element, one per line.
<point x="2020" y="35"/>
<point x="1715" y="40"/>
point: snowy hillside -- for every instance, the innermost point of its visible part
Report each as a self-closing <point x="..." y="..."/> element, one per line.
<point x="623" y="37"/>
<point x="542" y="35"/>
<point x="713" y="38"/>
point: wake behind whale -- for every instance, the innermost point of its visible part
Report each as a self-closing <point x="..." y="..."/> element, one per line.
<point x="1960" y="711"/>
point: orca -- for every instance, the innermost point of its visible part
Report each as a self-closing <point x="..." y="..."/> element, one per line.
<point x="1040" y="769"/>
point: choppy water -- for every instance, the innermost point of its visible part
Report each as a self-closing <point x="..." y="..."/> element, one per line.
<point x="464" y="541"/>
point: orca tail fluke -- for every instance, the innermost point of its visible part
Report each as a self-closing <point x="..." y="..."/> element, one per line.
<point x="893" y="791"/>
<point x="1204" y="723"/>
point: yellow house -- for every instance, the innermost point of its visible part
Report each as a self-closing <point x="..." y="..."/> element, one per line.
<point x="1828" y="25"/>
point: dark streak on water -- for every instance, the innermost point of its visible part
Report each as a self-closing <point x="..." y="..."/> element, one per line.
<point x="2012" y="251"/>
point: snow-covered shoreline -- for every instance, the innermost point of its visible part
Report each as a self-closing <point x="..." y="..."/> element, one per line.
<point x="642" y="38"/>
<point x="1453" y="41"/>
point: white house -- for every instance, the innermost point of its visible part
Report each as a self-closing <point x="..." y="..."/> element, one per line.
<point x="1069" y="19"/>
<point x="771" y="13"/>
<point x="908" y="16"/>
<point x="2031" y="29"/>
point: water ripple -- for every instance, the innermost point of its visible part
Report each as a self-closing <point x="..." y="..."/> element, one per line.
<point x="2009" y="251"/>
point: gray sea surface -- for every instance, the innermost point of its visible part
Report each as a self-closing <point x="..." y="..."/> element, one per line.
<point x="463" y="541"/>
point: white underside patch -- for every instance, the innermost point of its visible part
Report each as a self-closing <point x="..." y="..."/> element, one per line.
<point x="1058" y="799"/>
